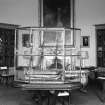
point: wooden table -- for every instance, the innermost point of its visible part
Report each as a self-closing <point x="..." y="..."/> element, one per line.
<point x="52" y="87"/>
<point x="7" y="79"/>
<point x="102" y="82"/>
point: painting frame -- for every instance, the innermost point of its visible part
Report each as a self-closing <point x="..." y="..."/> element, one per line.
<point x="49" y="14"/>
<point x="85" y="41"/>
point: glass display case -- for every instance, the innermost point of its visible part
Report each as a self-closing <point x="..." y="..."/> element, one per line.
<point x="47" y="55"/>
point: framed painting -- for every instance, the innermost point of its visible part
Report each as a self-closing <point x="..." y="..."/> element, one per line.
<point x="55" y="13"/>
<point x="85" y="41"/>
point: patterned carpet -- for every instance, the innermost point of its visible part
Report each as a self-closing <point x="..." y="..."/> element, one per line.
<point x="16" y="96"/>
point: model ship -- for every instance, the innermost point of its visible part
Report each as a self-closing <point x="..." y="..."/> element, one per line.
<point x="48" y="55"/>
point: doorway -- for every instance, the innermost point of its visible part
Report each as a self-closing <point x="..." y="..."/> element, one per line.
<point x="100" y="39"/>
<point x="7" y="36"/>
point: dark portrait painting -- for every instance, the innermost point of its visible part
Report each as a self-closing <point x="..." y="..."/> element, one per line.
<point x="85" y="41"/>
<point x="56" y="13"/>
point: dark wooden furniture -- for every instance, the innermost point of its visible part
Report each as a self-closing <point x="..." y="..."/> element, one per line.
<point x="5" y="77"/>
<point x="100" y="48"/>
<point x="51" y="87"/>
<point x="7" y="36"/>
<point x="100" y="78"/>
<point x="100" y="44"/>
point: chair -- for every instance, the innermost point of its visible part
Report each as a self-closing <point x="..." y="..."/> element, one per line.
<point x="5" y="76"/>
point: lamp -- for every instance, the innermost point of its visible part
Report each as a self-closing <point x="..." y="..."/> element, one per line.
<point x="83" y="55"/>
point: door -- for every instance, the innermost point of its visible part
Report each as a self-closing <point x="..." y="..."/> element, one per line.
<point x="100" y="47"/>
<point x="7" y="47"/>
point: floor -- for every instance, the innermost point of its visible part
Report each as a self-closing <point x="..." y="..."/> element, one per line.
<point x="15" y="96"/>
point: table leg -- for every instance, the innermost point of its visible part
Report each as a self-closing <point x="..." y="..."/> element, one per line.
<point x="54" y="98"/>
<point x="103" y="86"/>
<point x="48" y="98"/>
<point x="69" y="100"/>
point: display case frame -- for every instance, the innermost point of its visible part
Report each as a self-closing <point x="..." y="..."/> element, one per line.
<point x="61" y="51"/>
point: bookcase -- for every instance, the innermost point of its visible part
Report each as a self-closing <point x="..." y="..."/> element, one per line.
<point x="7" y="38"/>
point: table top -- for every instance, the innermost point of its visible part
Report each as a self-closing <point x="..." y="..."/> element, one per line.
<point x="64" y="86"/>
